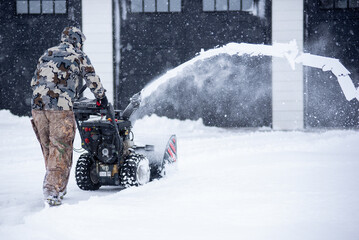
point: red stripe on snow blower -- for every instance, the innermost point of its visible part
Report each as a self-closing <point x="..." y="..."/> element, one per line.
<point x="170" y="152"/>
<point x="173" y="148"/>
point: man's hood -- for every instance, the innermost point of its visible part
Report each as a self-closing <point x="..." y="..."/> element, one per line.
<point x="74" y="36"/>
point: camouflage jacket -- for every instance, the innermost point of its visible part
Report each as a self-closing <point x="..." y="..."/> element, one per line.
<point x="57" y="75"/>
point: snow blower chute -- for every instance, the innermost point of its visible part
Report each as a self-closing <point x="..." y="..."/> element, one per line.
<point x="112" y="157"/>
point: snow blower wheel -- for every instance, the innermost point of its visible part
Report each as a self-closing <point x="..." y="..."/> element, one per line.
<point x="86" y="175"/>
<point x="135" y="171"/>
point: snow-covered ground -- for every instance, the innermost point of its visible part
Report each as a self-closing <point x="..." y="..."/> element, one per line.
<point x="230" y="184"/>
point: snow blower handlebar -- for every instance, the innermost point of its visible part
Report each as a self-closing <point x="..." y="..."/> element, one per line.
<point x="134" y="104"/>
<point x="83" y="88"/>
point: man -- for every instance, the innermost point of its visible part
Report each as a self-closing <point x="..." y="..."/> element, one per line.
<point x="54" y="86"/>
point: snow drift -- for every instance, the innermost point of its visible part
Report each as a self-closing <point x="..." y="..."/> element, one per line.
<point x="230" y="184"/>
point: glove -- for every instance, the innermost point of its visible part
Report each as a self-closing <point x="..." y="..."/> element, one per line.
<point x="103" y="102"/>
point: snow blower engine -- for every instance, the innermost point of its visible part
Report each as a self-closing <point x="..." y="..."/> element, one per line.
<point x="112" y="158"/>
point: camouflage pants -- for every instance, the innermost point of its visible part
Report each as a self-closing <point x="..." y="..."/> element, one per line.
<point x="55" y="131"/>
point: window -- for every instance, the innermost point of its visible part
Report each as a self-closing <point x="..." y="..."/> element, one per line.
<point x="227" y="5"/>
<point x="150" y="6"/>
<point x="41" y="7"/>
<point x="339" y="4"/>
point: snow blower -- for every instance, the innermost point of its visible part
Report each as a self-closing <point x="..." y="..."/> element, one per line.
<point x="112" y="157"/>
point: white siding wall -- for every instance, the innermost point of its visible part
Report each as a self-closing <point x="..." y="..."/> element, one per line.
<point x="97" y="27"/>
<point x="287" y="25"/>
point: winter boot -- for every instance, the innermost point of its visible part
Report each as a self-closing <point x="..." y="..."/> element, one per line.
<point x="53" y="201"/>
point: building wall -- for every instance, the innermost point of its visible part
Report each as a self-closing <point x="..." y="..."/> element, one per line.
<point x="151" y="43"/>
<point x="23" y="39"/>
<point x="287" y="25"/>
<point x="97" y="27"/>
